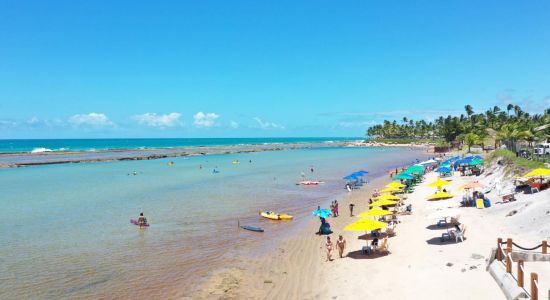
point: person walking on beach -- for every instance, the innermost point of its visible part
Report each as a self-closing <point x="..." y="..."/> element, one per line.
<point x="351" y="205"/>
<point x="328" y="247"/>
<point x="341" y="244"/>
<point x="336" y="208"/>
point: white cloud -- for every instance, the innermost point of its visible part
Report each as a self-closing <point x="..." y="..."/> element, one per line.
<point x="91" y="119"/>
<point x="234" y="125"/>
<point x="205" y="119"/>
<point x="154" y="120"/>
<point x="267" y="125"/>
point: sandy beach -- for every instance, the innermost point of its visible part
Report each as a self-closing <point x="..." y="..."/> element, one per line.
<point x="418" y="266"/>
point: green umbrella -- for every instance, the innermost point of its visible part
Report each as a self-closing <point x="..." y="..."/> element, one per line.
<point x="414" y="169"/>
<point x="476" y="162"/>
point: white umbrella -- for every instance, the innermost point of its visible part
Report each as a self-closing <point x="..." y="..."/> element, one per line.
<point x="439" y="205"/>
<point x="444" y="213"/>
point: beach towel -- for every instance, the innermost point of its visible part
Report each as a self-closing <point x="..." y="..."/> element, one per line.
<point x="480" y="204"/>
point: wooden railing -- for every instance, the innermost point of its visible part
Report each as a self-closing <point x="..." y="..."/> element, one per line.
<point x="505" y="256"/>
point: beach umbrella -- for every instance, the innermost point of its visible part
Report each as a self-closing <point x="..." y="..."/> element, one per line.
<point x="357" y="174"/>
<point x="322" y="213"/>
<point x="383" y="203"/>
<point x="350" y="177"/>
<point x="540" y="172"/>
<point x="443" y="170"/>
<point x="390" y="190"/>
<point x="374" y="212"/>
<point x="475" y="162"/>
<point x="439" y="183"/>
<point x="472" y="185"/>
<point x="365" y="225"/>
<point x="387" y="197"/>
<point x="444" y="213"/>
<point x="403" y="176"/>
<point x="414" y="169"/>
<point x="440" y="196"/>
<point x="363" y="172"/>
<point x="394" y="184"/>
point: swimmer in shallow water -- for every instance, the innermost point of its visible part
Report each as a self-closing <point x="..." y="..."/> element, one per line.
<point x="142" y="221"/>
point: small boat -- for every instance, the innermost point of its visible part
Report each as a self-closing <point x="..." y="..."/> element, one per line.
<point x="309" y="182"/>
<point x="248" y="227"/>
<point x="275" y="216"/>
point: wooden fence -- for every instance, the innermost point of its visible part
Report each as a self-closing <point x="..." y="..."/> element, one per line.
<point x="504" y="255"/>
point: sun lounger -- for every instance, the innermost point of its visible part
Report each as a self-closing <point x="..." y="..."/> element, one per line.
<point x="442" y="223"/>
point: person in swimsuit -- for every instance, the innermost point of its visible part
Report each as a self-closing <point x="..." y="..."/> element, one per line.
<point x="328" y="246"/>
<point x="341" y="244"/>
<point x="142" y="221"/>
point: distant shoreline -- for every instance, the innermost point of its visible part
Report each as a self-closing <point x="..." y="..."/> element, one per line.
<point x="16" y="160"/>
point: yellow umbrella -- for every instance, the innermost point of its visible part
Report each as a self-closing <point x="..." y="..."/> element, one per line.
<point x="387" y="197"/>
<point x="439" y="183"/>
<point x="375" y="212"/>
<point x="383" y="203"/>
<point x="390" y="190"/>
<point x="365" y="225"/>
<point x="538" y="173"/>
<point x="395" y="184"/>
<point x="440" y="195"/>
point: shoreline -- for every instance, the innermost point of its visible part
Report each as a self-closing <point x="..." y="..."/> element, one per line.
<point x="296" y="268"/>
<point x="19" y="159"/>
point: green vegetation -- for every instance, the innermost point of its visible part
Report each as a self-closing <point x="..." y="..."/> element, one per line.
<point x="407" y="140"/>
<point x="516" y="165"/>
<point x="500" y="125"/>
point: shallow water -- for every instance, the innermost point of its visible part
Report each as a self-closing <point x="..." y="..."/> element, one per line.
<point x="65" y="229"/>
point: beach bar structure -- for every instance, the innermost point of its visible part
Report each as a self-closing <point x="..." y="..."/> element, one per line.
<point x="518" y="285"/>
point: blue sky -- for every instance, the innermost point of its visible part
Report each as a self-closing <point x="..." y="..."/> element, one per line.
<point x="75" y="69"/>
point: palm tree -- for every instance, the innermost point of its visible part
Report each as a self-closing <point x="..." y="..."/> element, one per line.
<point x="471" y="139"/>
<point x="469" y="110"/>
<point x="509" y="107"/>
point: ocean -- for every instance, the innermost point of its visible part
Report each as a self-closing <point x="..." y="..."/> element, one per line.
<point x="66" y="234"/>
<point x="53" y="145"/>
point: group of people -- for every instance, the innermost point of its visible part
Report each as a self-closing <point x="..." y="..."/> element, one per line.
<point x="340" y="244"/>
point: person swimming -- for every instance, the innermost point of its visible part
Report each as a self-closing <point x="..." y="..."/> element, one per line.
<point x="142" y="221"/>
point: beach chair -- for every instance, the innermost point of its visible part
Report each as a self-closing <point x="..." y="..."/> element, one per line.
<point x="460" y="234"/>
<point x="384" y="248"/>
<point x="480" y="204"/>
<point x="455" y="220"/>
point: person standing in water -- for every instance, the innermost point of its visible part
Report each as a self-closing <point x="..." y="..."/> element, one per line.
<point x="142" y="221"/>
<point x="351" y="205"/>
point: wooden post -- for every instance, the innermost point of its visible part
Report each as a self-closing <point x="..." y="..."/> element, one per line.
<point x="534" y="289"/>
<point x="508" y="263"/>
<point x="544" y="247"/>
<point x="508" y="246"/>
<point x="499" y="249"/>
<point x="520" y="273"/>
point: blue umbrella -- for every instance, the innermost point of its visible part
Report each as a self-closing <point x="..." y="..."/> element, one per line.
<point x="357" y="174"/>
<point x="322" y="213"/>
<point x="443" y="170"/>
<point x="362" y="172"/>
<point x="350" y="177"/>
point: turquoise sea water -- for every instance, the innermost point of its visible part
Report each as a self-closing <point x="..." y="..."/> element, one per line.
<point x="41" y="145"/>
<point x="65" y="229"/>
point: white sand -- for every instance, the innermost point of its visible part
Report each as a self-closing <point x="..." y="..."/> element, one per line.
<point x="417" y="266"/>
